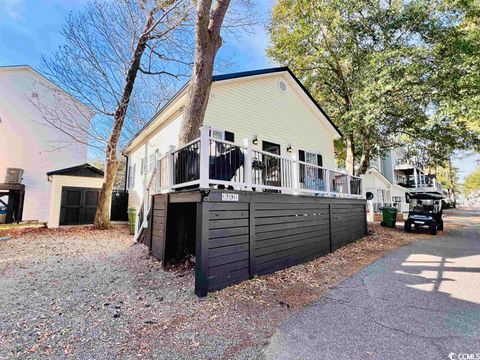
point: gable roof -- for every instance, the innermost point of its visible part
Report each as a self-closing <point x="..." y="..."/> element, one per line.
<point x="233" y="76"/>
<point x="85" y="170"/>
<point x="374" y="171"/>
<point x="44" y="78"/>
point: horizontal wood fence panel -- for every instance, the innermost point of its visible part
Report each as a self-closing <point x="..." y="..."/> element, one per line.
<point x="290" y="260"/>
<point x="231" y="214"/>
<point x="218" y="233"/>
<point x="273" y="213"/>
<point x="228" y="223"/>
<point x="223" y="269"/>
<point x="287" y="246"/>
<point x="227" y="259"/>
<point x="291" y="238"/>
<point x="291" y="219"/>
<point x="226" y="241"/>
<point x="281" y="233"/>
<point x="227" y="250"/>
<point x="228" y="206"/>
<point x="158" y="226"/>
<point x="241" y="234"/>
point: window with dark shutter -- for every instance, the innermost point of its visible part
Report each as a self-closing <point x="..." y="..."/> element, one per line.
<point x="301" y="157"/>
<point x="229" y="136"/>
<point x="320" y="163"/>
<point x="319" y="160"/>
<point x="131" y="176"/>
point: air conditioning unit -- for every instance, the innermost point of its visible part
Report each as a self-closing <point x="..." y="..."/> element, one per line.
<point x="13" y="176"/>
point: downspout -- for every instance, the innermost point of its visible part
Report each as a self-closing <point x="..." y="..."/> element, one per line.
<point x="126" y="173"/>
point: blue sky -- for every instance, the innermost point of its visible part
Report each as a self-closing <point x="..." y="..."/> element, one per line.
<point x="30" y="29"/>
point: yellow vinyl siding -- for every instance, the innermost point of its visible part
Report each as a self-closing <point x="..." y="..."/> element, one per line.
<point x="59" y="181"/>
<point x="246" y="107"/>
<point x="256" y="106"/>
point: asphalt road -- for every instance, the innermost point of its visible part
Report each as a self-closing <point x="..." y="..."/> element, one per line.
<point x="421" y="301"/>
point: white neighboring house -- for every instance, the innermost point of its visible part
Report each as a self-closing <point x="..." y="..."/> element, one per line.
<point x="265" y="117"/>
<point x="392" y="177"/>
<point x="27" y="143"/>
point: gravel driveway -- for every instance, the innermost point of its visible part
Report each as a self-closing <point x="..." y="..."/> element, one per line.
<point x="88" y="294"/>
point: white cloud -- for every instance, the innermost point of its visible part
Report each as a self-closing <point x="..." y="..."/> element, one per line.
<point x="12" y="8"/>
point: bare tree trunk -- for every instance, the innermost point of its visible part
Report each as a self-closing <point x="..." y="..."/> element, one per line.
<point x="452" y="181"/>
<point x="365" y="159"/>
<point x="102" y="215"/>
<point x="208" y="24"/>
<point x="350" y="160"/>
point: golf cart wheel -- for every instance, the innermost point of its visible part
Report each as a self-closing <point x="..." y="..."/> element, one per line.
<point x="433" y="228"/>
<point x="440" y="225"/>
<point x="408" y="226"/>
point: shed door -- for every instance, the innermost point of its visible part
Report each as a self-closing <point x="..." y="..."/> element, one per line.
<point x="78" y="205"/>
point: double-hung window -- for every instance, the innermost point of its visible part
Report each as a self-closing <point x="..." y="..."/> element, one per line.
<point x="310" y="174"/>
<point x="131" y="176"/>
<point x="151" y="162"/>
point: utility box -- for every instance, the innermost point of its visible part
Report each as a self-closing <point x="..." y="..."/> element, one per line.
<point x="13" y="176"/>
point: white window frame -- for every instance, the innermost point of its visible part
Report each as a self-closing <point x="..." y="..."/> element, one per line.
<point x="151" y="161"/>
<point x="131" y="176"/>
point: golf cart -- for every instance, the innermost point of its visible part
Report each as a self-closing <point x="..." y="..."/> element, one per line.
<point x="425" y="210"/>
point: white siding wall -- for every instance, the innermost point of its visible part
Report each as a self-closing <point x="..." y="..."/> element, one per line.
<point x="372" y="182"/>
<point x="28" y="144"/>
<point x="257" y="107"/>
<point x="58" y="181"/>
<point x="163" y="137"/>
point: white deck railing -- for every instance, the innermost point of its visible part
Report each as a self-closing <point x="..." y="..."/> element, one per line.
<point x="206" y="162"/>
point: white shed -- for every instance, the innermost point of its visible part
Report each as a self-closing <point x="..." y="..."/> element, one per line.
<point x="74" y="195"/>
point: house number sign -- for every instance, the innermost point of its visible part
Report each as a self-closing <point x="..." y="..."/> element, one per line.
<point x="229" y="197"/>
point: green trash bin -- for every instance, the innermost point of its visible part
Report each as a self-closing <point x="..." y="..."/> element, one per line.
<point x="132" y="219"/>
<point x="389" y="216"/>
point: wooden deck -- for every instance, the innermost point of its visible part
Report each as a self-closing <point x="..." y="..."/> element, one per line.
<point x="240" y="234"/>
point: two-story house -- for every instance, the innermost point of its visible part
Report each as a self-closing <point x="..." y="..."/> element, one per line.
<point x="30" y="148"/>
<point x="394" y="175"/>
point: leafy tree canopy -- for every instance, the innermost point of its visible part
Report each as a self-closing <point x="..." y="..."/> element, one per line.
<point x="381" y="69"/>
<point x="471" y="183"/>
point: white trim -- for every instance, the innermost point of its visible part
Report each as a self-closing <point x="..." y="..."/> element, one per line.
<point x="249" y="182"/>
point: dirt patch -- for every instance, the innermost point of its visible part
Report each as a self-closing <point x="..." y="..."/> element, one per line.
<point x="83" y="293"/>
<point x="39" y="244"/>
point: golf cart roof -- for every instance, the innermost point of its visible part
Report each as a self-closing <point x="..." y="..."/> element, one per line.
<point x="426" y="196"/>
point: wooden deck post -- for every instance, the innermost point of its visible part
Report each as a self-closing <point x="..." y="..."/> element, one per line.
<point x="295" y="174"/>
<point x="327" y="181"/>
<point x="201" y="252"/>
<point x="204" y="156"/>
<point x="248" y="164"/>
<point x="251" y="237"/>
<point x="170" y="164"/>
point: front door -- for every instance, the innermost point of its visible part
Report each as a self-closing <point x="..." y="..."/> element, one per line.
<point x="272" y="171"/>
<point x="78" y="205"/>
